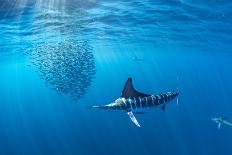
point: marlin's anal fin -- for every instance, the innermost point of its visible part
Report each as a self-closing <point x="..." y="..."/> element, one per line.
<point x="129" y="91"/>
<point x="219" y="125"/>
<point x="163" y="107"/>
<point x="133" y="119"/>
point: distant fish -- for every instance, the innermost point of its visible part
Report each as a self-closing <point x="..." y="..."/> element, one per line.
<point x="135" y="58"/>
<point x="133" y="101"/>
<point x="222" y="120"/>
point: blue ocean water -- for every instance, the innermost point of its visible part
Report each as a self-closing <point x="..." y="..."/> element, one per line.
<point x="57" y="58"/>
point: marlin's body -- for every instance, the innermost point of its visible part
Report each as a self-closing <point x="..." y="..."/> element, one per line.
<point x="134" y="101"/>
<point x="221" y="120"/>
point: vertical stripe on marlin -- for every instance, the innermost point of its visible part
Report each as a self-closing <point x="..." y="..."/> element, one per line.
<point x="158" y="99"/>
<point x="149" y="101"/>
<point x="169" y="96"/>
<point x="153" y="100"/>
<point x="146" y="102"/>
<point x="173" y="96"/>
<point x="140" y="101"/>
<point x="125" y="103"/>
<point x="165" y="97"/>
<point x="135" y="102"/>
<point x="130" y="103"/>
<point x="123" y="100"/>
<point x="161" y="99"/>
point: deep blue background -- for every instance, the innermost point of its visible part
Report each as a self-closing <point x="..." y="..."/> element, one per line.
<point x="187" y="40"/>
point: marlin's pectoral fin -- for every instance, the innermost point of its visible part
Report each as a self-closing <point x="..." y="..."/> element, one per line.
<point x="219" y="125"/>
<point x="133" y="119"/>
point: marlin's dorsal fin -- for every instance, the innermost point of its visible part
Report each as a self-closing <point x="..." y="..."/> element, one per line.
<point x="129" y="91"/>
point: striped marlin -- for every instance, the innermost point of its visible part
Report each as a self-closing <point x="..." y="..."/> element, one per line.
<point x="132" y="100"/>
<point x="221" y="120"/>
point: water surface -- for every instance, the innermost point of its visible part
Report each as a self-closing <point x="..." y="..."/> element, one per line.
<point x="57" y="58"/>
